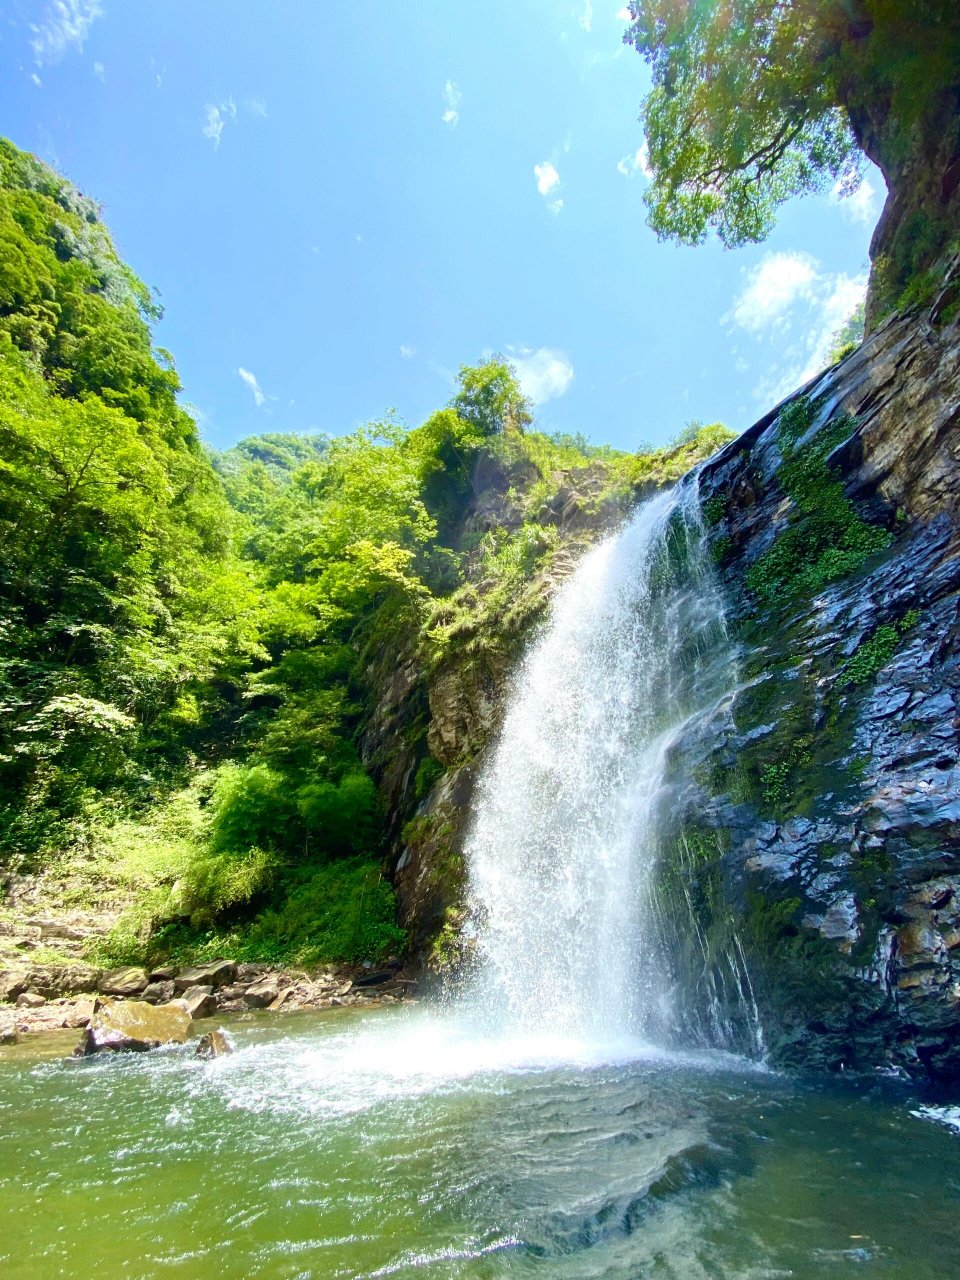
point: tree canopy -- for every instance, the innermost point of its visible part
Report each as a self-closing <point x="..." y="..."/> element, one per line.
<point x="756" y="101"/>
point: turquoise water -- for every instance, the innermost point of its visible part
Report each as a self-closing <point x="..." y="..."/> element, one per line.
<point x="402" y="1143"/>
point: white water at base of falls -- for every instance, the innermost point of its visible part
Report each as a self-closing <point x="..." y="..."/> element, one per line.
<point x="561" y="854"/>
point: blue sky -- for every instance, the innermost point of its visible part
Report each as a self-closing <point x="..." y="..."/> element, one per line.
<point x="340" y="204"/>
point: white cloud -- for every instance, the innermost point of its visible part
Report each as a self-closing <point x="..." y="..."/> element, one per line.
<point x="216" y="118"/>
<point x="624" y="14"/>
<point x="407" y="351"/>
<point x="773" y="287"/>
<point x="546" y="176"/>
<point x="789" y="298"/>
<point x="65" y="23"/>
<point x="259" y="398"/>
<point x="639" y="162"/>
<point x="545" y="374"/>
<point x="36" y="80"/>
<point x="257" y="107"/>
<point x="555" y="206"/>
<point x="586" y="18"/>
<point x="99" y="71"/>
<point x="861" y="205"/>
<point x="452" y="98"/>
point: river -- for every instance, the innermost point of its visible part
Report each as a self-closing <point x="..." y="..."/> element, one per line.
<point x="403" y="1143"/>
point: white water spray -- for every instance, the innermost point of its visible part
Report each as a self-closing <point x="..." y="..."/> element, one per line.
<point x="562" y="851"/>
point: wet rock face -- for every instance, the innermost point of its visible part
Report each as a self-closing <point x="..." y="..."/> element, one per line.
<point x="827" y="789"/>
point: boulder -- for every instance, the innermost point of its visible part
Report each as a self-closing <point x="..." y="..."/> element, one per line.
<point x="57" y="929"/>
<point x="13" y="982"/>
<point x="60" y="980"/>
<point x="159" y="992"/>
<point x="164" y="973"/>
<point x="129" y="981"/>
<point x="260" y="994"/>
<point x="214" y="1045"/>
<point x="134" y="1025"/>
<point x="373" y="979"/>
<point x="218" y="973"/>
<point x="30" y="1000"/>
<point x="200" y="1002"/>
<point x="82" y="1011"/>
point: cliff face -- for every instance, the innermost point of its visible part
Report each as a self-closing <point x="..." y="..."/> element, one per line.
<point x="434" y="713"/>
<point x="812" y="825"/>
<point x="817" y="819"/>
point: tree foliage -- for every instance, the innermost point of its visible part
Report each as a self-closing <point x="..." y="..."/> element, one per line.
<point x="755" y="101"/>
<point x="118" y="598"/>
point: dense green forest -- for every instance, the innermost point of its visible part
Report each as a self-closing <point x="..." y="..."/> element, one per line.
<point x="189" y="637"/>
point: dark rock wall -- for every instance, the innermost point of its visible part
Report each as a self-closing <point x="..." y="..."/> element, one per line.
<point x="817" y="817"/>
<point x="810" y="873"/>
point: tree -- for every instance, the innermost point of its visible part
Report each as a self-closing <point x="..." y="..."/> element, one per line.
<point x="756" y="101"/>
<point x="490" y="397"/>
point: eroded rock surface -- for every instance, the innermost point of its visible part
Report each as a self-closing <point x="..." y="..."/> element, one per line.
<point x="819" y="836"/>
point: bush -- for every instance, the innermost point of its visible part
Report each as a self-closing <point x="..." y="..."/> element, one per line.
<point x="251" y="806"/>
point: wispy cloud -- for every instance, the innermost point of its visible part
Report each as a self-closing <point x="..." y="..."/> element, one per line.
<point x="586" y="17"/>
<point x="216" y="115"/>
<point x="771" y="290"/>
<point x="452" y="97"/>
<point x="407" y="351"/>
<point x="545" y="374"/>
<point x="64" y="23"/>
<point x="788" y="298"/>
<point x="624" y="14"/>
<point x="638" y="162"/>
<point x="548" y="184"/>
<point x="259" y="397"/>
<point x="215" y="119"/>
<point x="99" y="70"/>
<point x="860" y="205"/>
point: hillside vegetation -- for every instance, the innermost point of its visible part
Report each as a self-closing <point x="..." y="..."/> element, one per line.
<point x="188" y="638"/>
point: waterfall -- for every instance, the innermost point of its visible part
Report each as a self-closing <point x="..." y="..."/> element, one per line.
<point x="561" y="853"/>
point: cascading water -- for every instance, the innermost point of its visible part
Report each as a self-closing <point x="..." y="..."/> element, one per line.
<point x="562" y="850"/>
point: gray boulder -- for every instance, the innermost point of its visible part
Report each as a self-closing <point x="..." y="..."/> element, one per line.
<point x="200" y="1002"/>
<point x="215" y="974"/>
<point x="129" y="981"/>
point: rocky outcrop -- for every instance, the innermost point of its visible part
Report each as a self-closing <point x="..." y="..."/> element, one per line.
<point x="817" y="814"/>
<point x="229" y="989"/>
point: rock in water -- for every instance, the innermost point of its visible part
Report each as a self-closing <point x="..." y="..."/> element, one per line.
<point x="124" y="982"/>
<point x="134" y="1025"/>
<point x="200" y="1002"/>
<point x="214" y="1045"/>
<point x="215" y="974"/>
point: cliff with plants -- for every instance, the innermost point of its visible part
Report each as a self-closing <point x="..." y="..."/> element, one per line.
<point x="229" y="679"/>
<point x="817" y="818"/>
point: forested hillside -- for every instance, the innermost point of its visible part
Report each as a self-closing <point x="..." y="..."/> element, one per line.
<point x="193" y="642"/>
